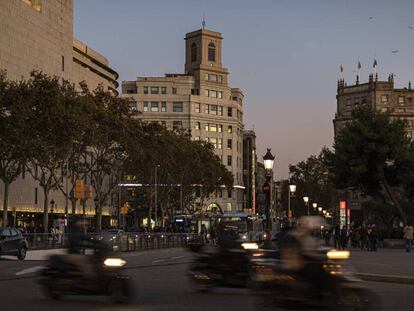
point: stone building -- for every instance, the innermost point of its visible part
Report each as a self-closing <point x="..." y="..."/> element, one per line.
<point x="38" y="34"/>
<point x="380" y="95"/>
<point x="201" y="100"/>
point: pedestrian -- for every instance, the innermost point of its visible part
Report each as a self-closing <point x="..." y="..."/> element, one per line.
<point x="373" y="239"/>
<point x="363" y="236"/>
<point x="344" y="238"/>
<point x="203" y="233"/>
<point x="337" y="237"/>
<point x="408" y="237"/>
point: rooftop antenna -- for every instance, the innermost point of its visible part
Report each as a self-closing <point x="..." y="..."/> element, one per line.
<point x="204" y="21"/>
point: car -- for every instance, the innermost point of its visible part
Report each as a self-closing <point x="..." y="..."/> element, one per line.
<point x="112" y="237"/>
<point x="12" y="242"/>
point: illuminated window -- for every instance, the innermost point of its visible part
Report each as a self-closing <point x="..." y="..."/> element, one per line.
<point x="220" y="128"/>
<point x="154" y="107"/>
<point x="197" y="125"/>
<point x="197" y="107"/>
<point x="35" y="4"/>
<point x="163" y="106"/>
<point x="220" y="143"/>
<point x="384" y="99"/>
<point x="133" y="106"/>
<point x="145" y="106"/>
<point x="213" y="127"/>
<point x="163" y="90"/>
<point x="401" y="100"/>
<point x="213" y="141"/>
<point x="230" y="129"/>
<point x="155" y="90"/>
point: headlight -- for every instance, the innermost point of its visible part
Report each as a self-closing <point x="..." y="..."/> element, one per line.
<point x="250" y="246"/>
<point x="244" y="237"/>
<point x="114" y="262"/>
<point x="334" y="254"/>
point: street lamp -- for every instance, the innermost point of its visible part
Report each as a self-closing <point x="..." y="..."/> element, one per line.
<point x="155" y="194"/>
<point x="292" y="190"/>
<point x="320" y="209"/>
<point x="268" y="161"/>
<point x="306" y="200"/>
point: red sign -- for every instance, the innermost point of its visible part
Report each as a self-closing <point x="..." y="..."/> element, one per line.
<point x="342" y="204"/>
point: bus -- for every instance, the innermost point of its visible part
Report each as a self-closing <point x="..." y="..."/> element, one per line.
<point x="249" y="227"/>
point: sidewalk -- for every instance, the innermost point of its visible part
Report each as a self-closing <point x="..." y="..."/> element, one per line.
<point x="396" y="265"/>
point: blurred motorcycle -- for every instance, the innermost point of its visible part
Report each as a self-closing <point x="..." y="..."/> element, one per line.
<point x="323" y="283"/>
<point x="62" y="276"/>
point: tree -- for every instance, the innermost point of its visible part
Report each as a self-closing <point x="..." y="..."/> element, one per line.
<point x="110" y="117"/>
<point x="13" y="127"/>
<point x="52" y="121"/>
<point x="372" y="153"/>
<point x="312" y="178"/>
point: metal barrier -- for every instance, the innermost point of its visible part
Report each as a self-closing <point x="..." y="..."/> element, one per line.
<point x="125" y="242"/>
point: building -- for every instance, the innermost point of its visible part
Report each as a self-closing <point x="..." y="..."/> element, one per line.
<point x="38" y="34"/>
<point x="249" y="170"/>
<point x="380" y="95"/>
<point x="200" y="100"/>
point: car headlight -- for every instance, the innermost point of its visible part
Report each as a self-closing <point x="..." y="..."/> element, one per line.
<point x="244" y="237"/>
<point x="114" y="262"/>
<point x="250" y="245"/>
<point x="338" y="255"/>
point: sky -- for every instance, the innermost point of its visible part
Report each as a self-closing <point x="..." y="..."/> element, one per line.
<point x="284" y="55"/>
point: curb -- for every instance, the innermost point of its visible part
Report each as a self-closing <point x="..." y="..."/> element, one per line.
<point x="386" y="278"/>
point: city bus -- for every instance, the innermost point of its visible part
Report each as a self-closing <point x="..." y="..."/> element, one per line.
<point x="249" y="227"/>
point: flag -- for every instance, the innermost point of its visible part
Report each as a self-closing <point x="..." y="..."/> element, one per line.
<point x="359" y="65"/>
<point x="375" y="63"/>
<point x="341" y="68"/>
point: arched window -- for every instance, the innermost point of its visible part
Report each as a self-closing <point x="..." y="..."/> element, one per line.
<point x="211" y="52"/>
<point x="193" y="52"/>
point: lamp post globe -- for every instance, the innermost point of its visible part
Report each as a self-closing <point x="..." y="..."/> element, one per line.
<point x="268" y="160"/>
<point x="314" y="205"/>
<point x="292" y="189"/>
<point x="306" y="200"/>
<point x="320" y="209"/>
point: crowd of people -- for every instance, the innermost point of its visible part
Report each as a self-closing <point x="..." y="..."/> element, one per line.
<point x="365" y="238"/>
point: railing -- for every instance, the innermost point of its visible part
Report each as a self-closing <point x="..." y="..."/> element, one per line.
<point x="125" y="242"/>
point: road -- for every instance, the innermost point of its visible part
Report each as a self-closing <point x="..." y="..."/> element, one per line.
<point x="161" y="284"/>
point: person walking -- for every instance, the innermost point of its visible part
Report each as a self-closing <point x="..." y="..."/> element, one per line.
<point x="337" y="237"/>
<point x="408" y="237"/>
<point x="344" y="238"/>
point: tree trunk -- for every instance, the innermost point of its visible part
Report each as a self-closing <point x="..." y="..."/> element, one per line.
<point x="99" y="219"/>
<point x="389" y="193"/>
<point x="5" y="202"/>
<point x="73" y="201"/>
<point x="46" y="210"/>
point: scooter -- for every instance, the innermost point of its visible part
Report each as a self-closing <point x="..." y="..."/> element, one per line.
<point x="61" y="277"/>
<point x="323" y="283"/>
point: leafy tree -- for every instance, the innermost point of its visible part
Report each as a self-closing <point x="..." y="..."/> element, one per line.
<point x="53" y="128"/>
<point x="313" y="179"/>
<point x="13" y="128"/>
<point x="372" y="153"/>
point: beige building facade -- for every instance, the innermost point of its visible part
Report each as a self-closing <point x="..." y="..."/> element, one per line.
<point x="200" y="100"/>
<point x="38" y="34"/>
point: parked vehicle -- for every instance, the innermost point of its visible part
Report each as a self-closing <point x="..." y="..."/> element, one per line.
<point x="61" y="277"/>
<point x="12" y="243"/>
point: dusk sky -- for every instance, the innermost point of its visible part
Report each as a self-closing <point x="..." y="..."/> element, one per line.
<point x="284" y="55"/>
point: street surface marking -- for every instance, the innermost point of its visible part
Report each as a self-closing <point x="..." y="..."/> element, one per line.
<point x="30" y="270"/>
<point x="158" y="260"/>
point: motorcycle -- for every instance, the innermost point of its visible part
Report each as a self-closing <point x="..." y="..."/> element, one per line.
<point x="221" y="267"/>
<point x="322" y="283"/>
<point x="61" y="277"/>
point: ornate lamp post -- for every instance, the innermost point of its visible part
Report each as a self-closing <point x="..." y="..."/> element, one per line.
<point x="292" y="190"/>
<point x="315" y="206"/>
<point x="320" y="209"/>
<point x="52" y="206"/>
<point x="268" y="161"/>
<point x="306" y="200"/>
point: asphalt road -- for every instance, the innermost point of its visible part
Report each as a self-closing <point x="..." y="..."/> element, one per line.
<point x="160" y="283"/>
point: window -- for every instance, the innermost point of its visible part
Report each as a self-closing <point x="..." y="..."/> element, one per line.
<point x="207" y="108"/>
<point x="213" y="94"/>
<point x="197" y="107"/>
<point x="230" y="129"/>
<point x="145" y="106"/>
<point x="213" y="109"/>
<point x="220" y="128"/>
<point x="213" y="141"/>
<point x="155" y="90"/>
<point x="220" y="143"/>
<point x="220" y="110"/>
<point x="206" y="76"/>
<point x="220" y="94"/>
<point x="174" y="90"/>
<point x="229" y="160"/>
<point x="154" y="107"/>
<point x="145" y="89"/>
<point x="193" y="52"/>
<point x="130" y="91"/>
<point x="206" y="128"/>
<point x="163" y="90"/>
<point x="220" y="79"/>
<point x="401" y="100"/>
<point x="228" y="204"/>
<point x="206" y="93"/>
<point x="163" y="106"/>
<point x="384" y="99"/>
<point x="229" y="144"/>
<point x="177" y="125"/>
<point x="229" y="112"/>
<point x="213" y="127"/>
<point x="177" y="107"/>
<point x="197" y="125"/>
<point x="63" y="63"/>
<point x="211" y="52"/>
<point x="133" y="106"/>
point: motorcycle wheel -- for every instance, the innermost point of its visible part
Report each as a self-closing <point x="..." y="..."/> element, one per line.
<point x="120" y="291"/>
